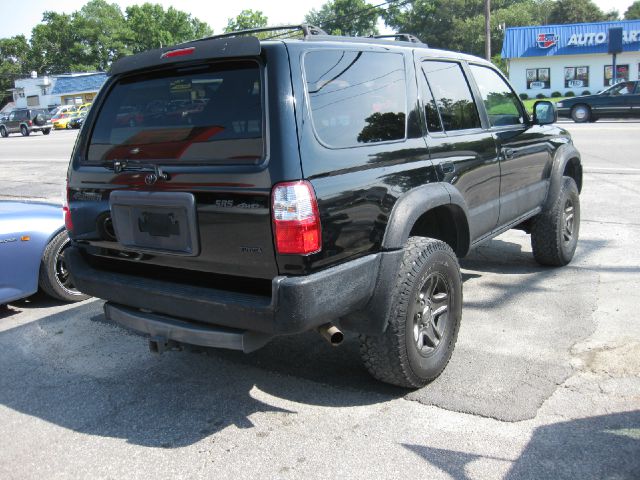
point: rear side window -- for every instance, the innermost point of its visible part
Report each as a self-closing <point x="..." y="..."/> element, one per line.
<point x="356" y="97"/>
<point x="503" y="107"/>
<point x="211" y="114"/>
<point x="452" y="95"/>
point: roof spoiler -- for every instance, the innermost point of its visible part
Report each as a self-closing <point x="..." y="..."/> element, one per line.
<point x="204" y="49"/>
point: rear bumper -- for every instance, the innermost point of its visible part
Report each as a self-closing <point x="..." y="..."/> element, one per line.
<point x="296" y="304"/>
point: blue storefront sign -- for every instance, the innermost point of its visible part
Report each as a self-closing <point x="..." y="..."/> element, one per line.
<point x="574" y="39"/>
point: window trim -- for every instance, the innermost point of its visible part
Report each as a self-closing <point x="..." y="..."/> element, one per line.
<point x="307" y="99"/>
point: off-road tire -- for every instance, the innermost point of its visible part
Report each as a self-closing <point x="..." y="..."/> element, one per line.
<point x="49" y="279"/>
<point x="581" y="113"/>
<point x="394" y="357"/>
<point x="24" y="131"/>
<point x="549" y="228"/>
<point x="3" y="132"/>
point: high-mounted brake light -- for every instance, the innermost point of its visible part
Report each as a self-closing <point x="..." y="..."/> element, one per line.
<point x="66" y="212"/>
<point x="180" y="52"/>
<point x="296" y="219"/>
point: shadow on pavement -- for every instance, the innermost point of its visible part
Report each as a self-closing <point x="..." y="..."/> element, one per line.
<point x="74" y="371"/>
<point x="600" y="447"/>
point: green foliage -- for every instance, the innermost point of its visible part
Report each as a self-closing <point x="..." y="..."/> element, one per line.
<point x="586" y="92"/>
<point x="579" y="11"/>
<point x="345" y="17"/>
<point x="633" y="12"/>
<point x="540" y="96"/>
<point x="524" y="96"/>
<point x="152" y="27"/>
<point x="555" y="94"/>
<point x="569" y="94"/>
<point x="245" y="20"/>
<point x="13" y="62"/>
<point x="93" y="37"/>
<point x="459" y="24"/>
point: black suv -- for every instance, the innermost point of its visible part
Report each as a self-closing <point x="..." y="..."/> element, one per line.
<point x="230" y="190"/>
<point x="25" y="121"/>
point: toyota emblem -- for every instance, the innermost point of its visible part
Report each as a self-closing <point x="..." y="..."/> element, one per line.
<point x="151" y="178"/>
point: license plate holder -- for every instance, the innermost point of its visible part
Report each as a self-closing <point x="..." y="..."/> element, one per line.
<point x="155" y="222"/>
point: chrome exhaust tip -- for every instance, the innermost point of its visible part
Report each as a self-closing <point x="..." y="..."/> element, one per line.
<point x="331" y="334"/>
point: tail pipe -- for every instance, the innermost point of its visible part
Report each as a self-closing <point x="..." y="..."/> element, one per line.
<point x="331" y="334"/>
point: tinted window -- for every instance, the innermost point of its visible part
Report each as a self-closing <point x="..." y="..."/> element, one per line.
<point x="452" y="95"/>
<point x="212" y="115"/>
<point x="356" y="97"/>
<point x="501" y="103"/>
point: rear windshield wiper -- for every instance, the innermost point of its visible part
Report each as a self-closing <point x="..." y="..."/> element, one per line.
<point x="119" y="166"/>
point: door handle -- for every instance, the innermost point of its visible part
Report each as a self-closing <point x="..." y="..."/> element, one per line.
<point x="507" y="153"/>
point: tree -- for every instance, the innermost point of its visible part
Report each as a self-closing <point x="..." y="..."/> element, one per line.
<point x="55" y="46"/>
<point x="354" y="18"/>
<point x="577" y="11"/>
<point x="633" y="12"/>
<point x="153" y="27"/>
<point x="246" y="20"/>
<point x="459" y="24"/>
<point x="13" y="63"/>
<point x="102" y="32"/>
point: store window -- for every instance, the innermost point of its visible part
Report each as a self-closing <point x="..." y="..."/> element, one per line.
<point x="622" y="74"/>
<point x="538" y="78"/>
<point x="576" y="77"/>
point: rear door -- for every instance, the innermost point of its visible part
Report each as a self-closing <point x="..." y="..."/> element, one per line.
<point x="464" y="153"/>
<point x="525" y="156"/>
<point x="189" y="148"/>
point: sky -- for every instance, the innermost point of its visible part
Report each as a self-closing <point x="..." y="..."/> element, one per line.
<point x="24" y="15"/>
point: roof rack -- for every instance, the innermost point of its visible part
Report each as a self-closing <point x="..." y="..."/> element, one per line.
<point x="307" y="31"/>
<point x="401" y="37"/>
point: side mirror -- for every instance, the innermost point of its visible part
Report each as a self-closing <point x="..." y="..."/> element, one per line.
<point x="544" y="113"/>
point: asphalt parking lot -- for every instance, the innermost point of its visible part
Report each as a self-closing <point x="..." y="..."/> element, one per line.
<point x="544" y="381"/>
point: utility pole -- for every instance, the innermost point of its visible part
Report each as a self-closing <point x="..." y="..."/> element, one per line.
<point x="487" y="29"/>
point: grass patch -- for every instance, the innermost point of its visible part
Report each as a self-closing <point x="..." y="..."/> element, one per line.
<point x="528" y="104"/>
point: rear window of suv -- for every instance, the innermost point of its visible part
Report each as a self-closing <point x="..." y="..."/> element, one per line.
<point x="211" y="114"/>
<point x="356" y="97"/>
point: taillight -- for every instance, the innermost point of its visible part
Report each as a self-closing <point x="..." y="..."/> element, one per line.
<point x="30" y="123"/>
<point x="296" y="220"/>
<point x="66" y="212"/>
<point x="180" y="52"/>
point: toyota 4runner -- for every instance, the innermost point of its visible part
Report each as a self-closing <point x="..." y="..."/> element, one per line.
<point x="25" y="121"/>
<point x="229" y="190"/>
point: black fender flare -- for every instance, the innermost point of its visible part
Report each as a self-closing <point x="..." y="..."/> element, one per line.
<point x="413" y="204"/>
<point x="563" y="155"/>
<point x="372" y="319"/>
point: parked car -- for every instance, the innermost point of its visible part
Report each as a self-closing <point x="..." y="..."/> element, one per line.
<point x="333" y="190"/>
<point x="62" y="122"/>
<point x="33" y="243"/>
<point x="618" y="101"/>
<point x="77" y="121"/>
<point x="59" y="110"/>
<point x="26" y="121"/>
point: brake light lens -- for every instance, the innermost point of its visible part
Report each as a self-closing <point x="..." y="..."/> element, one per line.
<point x="296" y="219"/>
<point x="66" y="212"/>
<point x="181" y="52"/>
